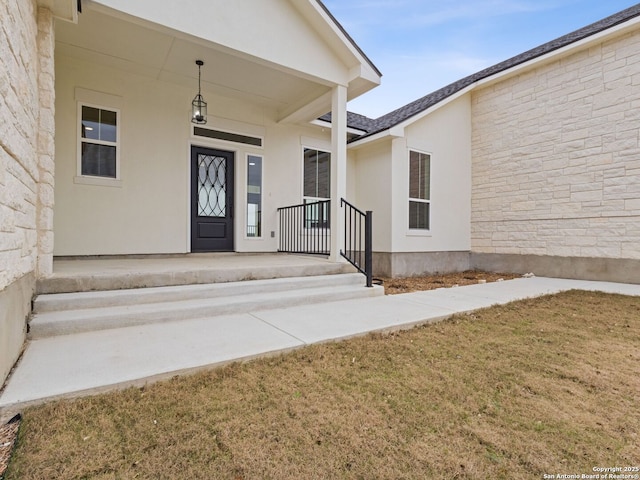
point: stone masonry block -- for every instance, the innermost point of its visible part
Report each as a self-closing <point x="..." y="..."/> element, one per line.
<point x="47" y="121"/>
<point x="604" y="252"/>
<point x="620" y="145"/>
<point x="594" y="195"/>
<point x="632" y="204"/>
<point x="630" y="249"/>
<point x="45" y="264"/>
<point x="621" y="76"/>
<point x="45" y="195"/>
<point x="45" y="144"/>
<point x="9" y="242"/>
<point x="586" y="187"/>
<point x="45" y="241"/>
<point x="45" y="219"/>
<point x="7" y="219"/>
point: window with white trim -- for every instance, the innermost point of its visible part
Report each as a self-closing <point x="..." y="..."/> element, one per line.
<point x="419" y="190"/>
<point x="254" y="196"/>
<point x="316" y="187"/>
<point x="99" y="141"/>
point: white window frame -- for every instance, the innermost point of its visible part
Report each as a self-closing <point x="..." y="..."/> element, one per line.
<point x="313" y="198"/>
<point x="93" y="179"/>
<point x="415" y="230"/>
<point x="262" y="199"/>
<point x="307" y="199"/>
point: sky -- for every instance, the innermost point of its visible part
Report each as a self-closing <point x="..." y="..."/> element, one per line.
<point x="423" y="45"/>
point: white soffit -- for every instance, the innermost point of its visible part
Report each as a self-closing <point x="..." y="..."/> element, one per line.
<point x="268" y="31"/>
<point x="133" y="46"/>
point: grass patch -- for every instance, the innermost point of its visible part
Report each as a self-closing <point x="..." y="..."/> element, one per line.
<point x="550" y="385"/>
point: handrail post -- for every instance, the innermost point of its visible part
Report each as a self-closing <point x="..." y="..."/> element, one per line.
<point x="368" y="247"/>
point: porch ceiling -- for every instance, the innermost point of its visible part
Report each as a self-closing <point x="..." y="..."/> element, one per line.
<point x="128" y="44"/>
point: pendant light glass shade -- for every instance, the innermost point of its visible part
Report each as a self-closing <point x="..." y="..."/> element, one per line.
<point x="198" y="105"/>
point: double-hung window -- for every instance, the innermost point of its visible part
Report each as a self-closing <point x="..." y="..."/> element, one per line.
<point x="317" y="187"/>
<point x="419" y="190"/>
<point x="99" y="141"/>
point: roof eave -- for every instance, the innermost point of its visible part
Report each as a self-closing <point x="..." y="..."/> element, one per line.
<point x="562" y="51"/>
<point x="397" y="130"/>
<point x="326" y="124"/>
<point x="615" y="29"/>
<point x="348" y="37"/>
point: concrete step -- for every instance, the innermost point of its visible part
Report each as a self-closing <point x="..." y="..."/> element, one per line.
<point x="135" y="296"/>
<point x="128" y="273"/>
<point x="63" y="314"/>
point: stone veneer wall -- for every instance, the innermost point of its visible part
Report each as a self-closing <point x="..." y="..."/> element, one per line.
<point x="26" y="165"/>
<point x="556" y="162"/>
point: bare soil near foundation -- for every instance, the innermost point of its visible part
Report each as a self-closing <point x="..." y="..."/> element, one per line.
<point x="541" y="386"/>
<point x="394" y="286"/>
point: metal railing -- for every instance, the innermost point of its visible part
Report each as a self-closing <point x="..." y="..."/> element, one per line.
<point x="305" y="228"/>
<point x="358" y="239"/>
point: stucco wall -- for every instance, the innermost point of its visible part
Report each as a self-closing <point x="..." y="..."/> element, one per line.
<point x="445" y="135"/>
<point x="556" y="157"/>
<point x="26" y="143"/>
<point x="373" y="189"/>
<point x="382" y="183"/>
<point x="147" y="212"/>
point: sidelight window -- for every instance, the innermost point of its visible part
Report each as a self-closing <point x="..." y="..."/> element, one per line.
<point x="254" y="196"/>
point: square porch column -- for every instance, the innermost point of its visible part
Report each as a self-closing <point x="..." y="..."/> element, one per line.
<point x="338" y="167"/>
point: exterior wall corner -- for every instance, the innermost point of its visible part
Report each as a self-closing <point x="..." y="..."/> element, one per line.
<point x="26" y="194"/>
<point x="45" y="141"/>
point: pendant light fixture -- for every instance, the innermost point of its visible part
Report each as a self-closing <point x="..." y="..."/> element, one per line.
<point x="199" y="106"/>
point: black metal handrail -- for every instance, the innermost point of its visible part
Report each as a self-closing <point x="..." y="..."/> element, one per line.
<point x="358" y="239"/>
<point x="305" y="228"/>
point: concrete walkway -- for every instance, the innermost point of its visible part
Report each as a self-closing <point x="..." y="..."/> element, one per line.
<point x="91" y="362"/>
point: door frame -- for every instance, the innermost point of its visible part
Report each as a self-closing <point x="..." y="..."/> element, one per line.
<point x="231" y="199"/>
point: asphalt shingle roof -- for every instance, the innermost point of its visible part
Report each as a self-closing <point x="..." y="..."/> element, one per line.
<point x="373" y="126"/>
<point x="354" y="120"/>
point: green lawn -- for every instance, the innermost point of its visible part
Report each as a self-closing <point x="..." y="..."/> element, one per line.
<point x="543" y="386"/>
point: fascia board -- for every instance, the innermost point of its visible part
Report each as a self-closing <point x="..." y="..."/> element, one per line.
<point x="385" y="134"/>
<point x="344" y="36"/>
<point x="325" y="124"/>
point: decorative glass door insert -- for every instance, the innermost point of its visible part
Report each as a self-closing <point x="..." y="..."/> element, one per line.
<point x="212" y="188"/>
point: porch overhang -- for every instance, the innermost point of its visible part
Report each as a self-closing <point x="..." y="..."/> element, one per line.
<point x="287" y="67"/>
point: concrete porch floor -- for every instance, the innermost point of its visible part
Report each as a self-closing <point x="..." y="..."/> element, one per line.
<point x="118" y="272"/>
